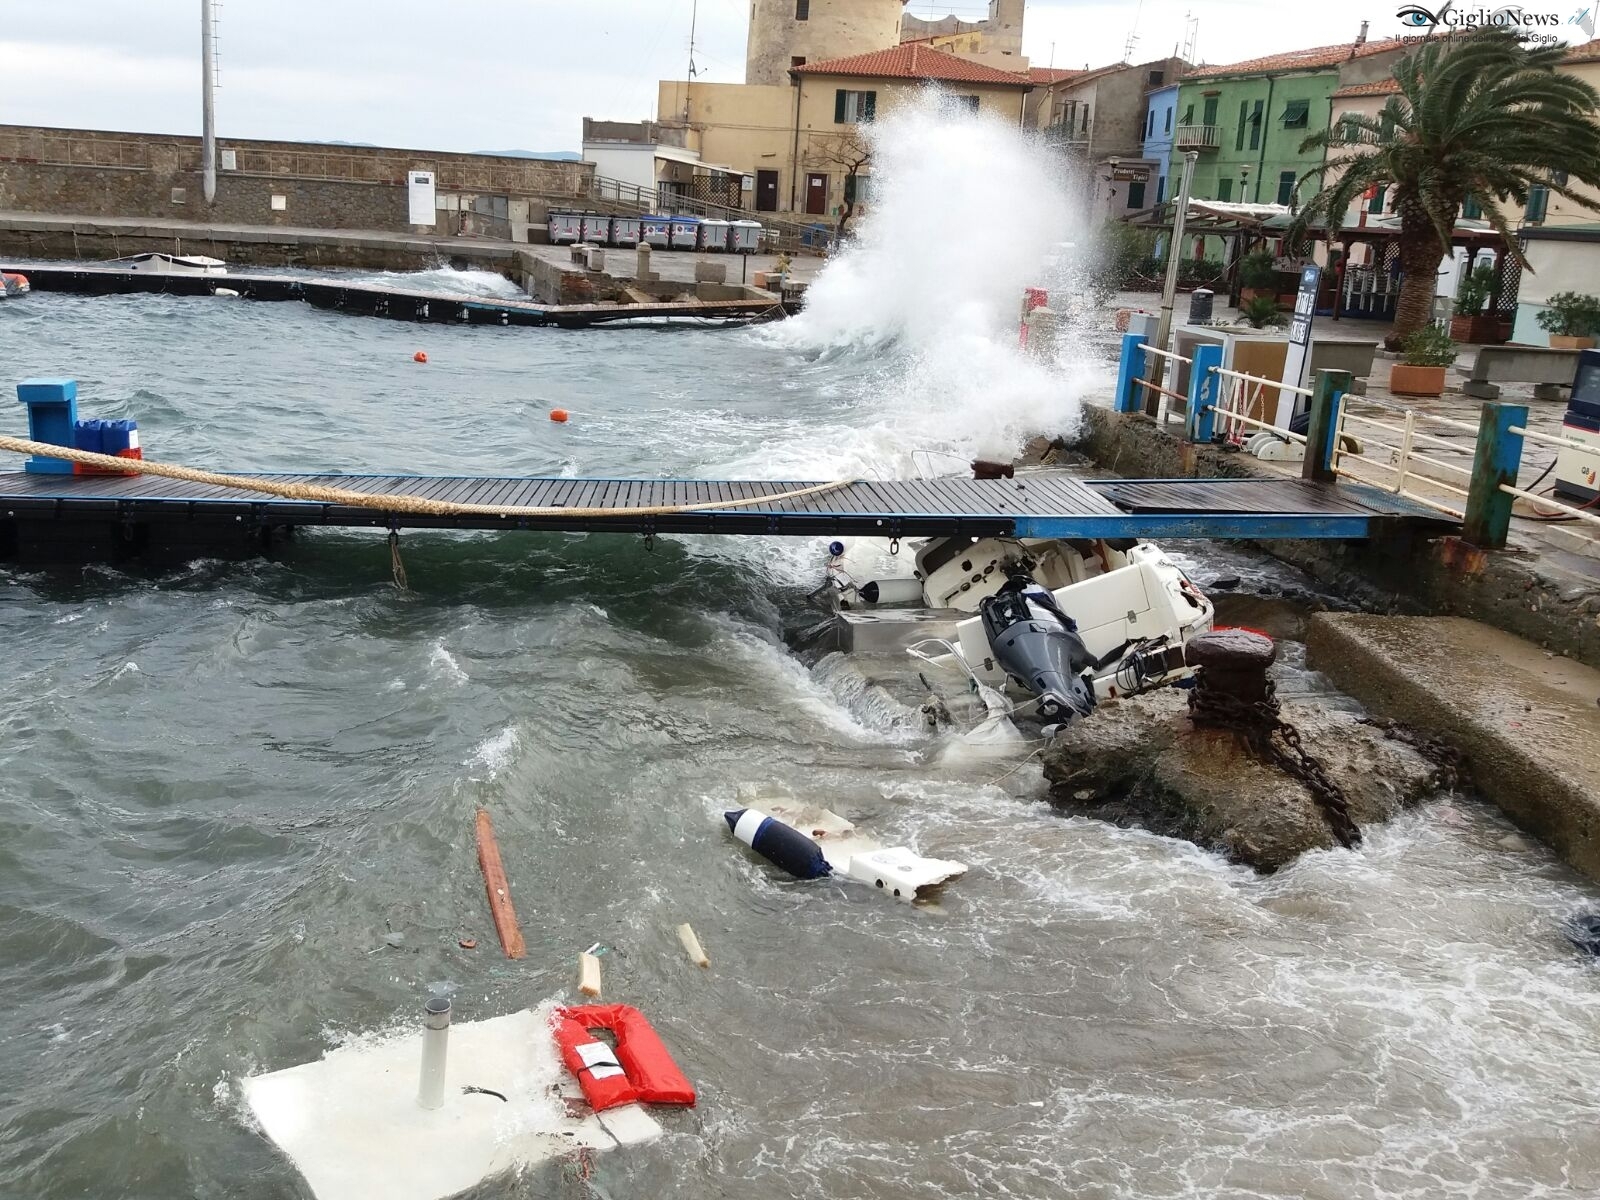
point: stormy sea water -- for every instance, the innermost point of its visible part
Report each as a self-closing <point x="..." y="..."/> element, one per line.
<point x="236" y="800"/>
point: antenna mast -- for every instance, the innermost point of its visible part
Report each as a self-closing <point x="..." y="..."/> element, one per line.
<point x="208" y="114"/>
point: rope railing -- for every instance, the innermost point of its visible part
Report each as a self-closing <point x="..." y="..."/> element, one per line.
<point x="413" y="505"/>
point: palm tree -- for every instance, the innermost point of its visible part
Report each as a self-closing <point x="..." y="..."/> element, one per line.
<point x="1478" y="117"/>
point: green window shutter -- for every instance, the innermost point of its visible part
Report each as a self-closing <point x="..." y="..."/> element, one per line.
<point x="1255" y="126"/>
<point x="1210" y="111"/>
<point x="1244" y="119"/>
<point x="1297" y="115"/>
<point x="1472" y="210"/>
<point x="1168" y="129"/>
<point x="1161" y="189"/>
<point x="1225" y="188"/>
<point x="869" y="107"/>
<point x="838" y="106"/>
<point x="1285" y="187"/>
<point x="1136" y="194"/>
<point x="1375" y="205"/>
<point x="1538" y="202"/>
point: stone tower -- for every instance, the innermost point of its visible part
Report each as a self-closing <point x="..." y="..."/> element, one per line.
<point x="999" y="34"/>
<point x="782" y="31"/>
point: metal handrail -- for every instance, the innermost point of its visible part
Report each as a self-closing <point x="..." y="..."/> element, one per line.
<point x="1581" y="514"/>
<point x="1458" y="514"/>
<point x="1228" y="414"/>
<point x="1548" y="438"/>
<point x="1427" y="437"/>
<point x="1149" y="349"/>
<point x="1273" y="383"/>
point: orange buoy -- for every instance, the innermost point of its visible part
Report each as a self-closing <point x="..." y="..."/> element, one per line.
<point x="420" y="356"/>
<point x="559" y="415"/>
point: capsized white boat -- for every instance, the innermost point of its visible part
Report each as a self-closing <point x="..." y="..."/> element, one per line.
<point x="170" y="264"/>
<point x="1057" y="625"/>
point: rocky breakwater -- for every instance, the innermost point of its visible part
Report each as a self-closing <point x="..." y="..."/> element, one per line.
<point x="1229" y="767"/>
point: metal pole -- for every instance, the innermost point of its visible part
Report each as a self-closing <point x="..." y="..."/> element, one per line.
<point x="1170" y="290"/>
<point x="435" y="1043"/>
<point x="208" y="115"/>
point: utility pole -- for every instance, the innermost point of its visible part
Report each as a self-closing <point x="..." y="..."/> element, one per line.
<point x="694" y="22"/>
<point x="1158" y="364"/>
<point x="208" y="112"/>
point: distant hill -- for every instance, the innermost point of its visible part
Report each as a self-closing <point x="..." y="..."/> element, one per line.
<point x="553" y="155"/>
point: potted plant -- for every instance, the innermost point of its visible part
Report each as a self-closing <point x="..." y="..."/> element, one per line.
<point x="1428" y="351"/>
<point x="1572" y="320"/>
<point x="1261" y="311"/>
<point x="1257" y="276"/>
<point x="1469" y="324"/>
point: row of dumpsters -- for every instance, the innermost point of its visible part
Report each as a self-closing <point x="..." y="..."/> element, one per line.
<point x="569" y="227"/>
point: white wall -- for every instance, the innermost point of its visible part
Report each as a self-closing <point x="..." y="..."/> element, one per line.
<point x="1557" y="267"/>
<point x="632" y="164"/>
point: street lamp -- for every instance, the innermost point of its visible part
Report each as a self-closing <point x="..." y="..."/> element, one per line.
<point x="1113" y="162"/>
<point x="1244" y="184"/>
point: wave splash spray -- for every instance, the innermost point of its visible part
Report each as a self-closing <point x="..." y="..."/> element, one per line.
<point x="965" y="213"/>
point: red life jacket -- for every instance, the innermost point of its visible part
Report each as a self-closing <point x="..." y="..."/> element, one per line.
<point x="640" y="1069"/>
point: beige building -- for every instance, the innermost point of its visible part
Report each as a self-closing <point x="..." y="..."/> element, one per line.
<point x="803" y="143"/>
<point x="785" y="34"/>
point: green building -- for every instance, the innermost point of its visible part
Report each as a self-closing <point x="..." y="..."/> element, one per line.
<point x="1247" y="119"/>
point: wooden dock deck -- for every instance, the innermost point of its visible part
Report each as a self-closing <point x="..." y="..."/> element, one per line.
<point x="147" y="513"/>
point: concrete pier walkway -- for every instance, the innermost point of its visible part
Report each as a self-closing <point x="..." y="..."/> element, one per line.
<point x="1528" y="722"/>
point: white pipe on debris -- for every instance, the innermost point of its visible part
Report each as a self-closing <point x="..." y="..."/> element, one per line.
<point x="435" y="1045"/>
<point x="208" y="115"/>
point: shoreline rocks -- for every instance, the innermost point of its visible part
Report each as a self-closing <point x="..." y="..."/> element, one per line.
<point x="1142" y="762"/>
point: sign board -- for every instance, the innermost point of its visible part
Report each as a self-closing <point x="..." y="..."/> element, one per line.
<point x="1294" y="362"/>
<point x="1131" y="174"/>
<point x="421" y="190"/>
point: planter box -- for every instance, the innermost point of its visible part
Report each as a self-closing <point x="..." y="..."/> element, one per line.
<point x="1406" y="380"/>
<point x="1479" y="330"/>
<point x="1562" y="341"/>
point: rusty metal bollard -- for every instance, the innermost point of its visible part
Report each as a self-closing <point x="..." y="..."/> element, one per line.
<point x="1231" y="678"/>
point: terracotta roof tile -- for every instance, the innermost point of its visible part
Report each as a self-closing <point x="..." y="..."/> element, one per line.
<point x="1048" y="75"/>
<point x="1380" y="87"/>
<point x="916" y="61"/>
<point x="1299" y="60"/>
<point x="1587" y="52"/>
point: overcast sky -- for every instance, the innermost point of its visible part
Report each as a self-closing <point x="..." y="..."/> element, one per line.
<point x="504" y="74"/>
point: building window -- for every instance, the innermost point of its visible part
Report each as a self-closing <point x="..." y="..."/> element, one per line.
<point x="1538" y="202"/>
<point x="802" y="10"/>
<point x="854" y="108"/>
<point x="1255" y="126"/>
<point x="1168" y="129"/>
<point x="857" y="189"/>
<point x="1085" y="118"/>
<point x="1157" y="78"/>
<point x="798" y="61"/>
<point x="1285" y="187"/>
<point x="1297" y="115"/>
<point x="1150" y="124"/>
<point x="1375" y="205"/>
<point x="1161" y="188"/>
<point x="1136" y="194"/>
<point x="970" y="103"/>
<point x="1225" y="189"/>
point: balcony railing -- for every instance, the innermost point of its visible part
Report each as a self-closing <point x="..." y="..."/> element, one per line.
<point x="1197" y="137"/>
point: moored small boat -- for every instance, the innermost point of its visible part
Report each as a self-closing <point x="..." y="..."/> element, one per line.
<point x="170" y="264"/>
<point x="13" y="283"/>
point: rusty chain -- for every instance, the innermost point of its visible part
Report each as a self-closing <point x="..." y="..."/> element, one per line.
<point x="1264" y="730"/>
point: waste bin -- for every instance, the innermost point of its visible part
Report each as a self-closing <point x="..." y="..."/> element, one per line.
<point x="685" y="233"/>
<point x="625" y="231"/>
<point x="655" y="231"/>
<point x="746" y="237"/>
<point x="1200" y="303"/>
<point x="566" y="227"/>
<point x="714" y="234"/>
<point x="597" y="229"/>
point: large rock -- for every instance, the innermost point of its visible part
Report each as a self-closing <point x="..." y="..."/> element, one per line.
<point x="1142" y="762"/>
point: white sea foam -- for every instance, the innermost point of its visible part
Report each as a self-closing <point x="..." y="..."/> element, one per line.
<point x="494" y="754"/>
<point x="445" y="665"/>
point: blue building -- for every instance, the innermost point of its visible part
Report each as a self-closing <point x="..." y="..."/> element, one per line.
<point x="1161" y="105"/>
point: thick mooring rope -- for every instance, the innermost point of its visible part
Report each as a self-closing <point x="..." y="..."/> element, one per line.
<point x="415" y="505"/>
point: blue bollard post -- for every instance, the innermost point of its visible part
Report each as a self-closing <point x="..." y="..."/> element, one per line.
<point x="1129" y="395"/>
<point x="1205" y="391"/>
<point x="1498" y="460"/>
<point x="52" y="417"/>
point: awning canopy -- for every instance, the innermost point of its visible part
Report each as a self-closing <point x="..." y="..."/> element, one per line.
<point x="679" y="155"/>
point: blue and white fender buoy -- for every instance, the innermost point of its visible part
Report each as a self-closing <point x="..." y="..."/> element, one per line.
<point x="782" y="845"/>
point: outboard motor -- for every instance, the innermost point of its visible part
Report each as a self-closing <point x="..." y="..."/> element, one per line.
<point x="1038" y="646"/>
